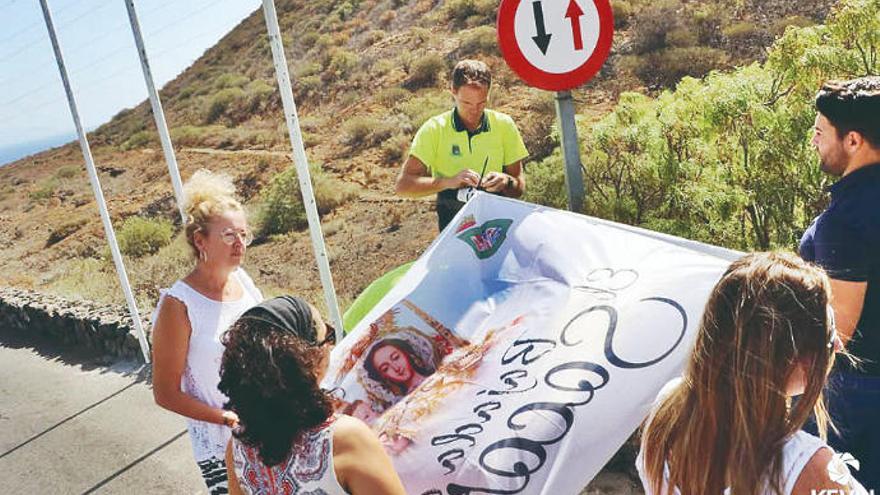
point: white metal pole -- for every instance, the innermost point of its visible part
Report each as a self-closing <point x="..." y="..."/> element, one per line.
<point x="96" y="186"/>
<point x="158" y="113"/>
<point x="301" y="162"/>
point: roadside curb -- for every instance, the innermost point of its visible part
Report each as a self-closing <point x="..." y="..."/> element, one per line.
<point x="105" y="329"/>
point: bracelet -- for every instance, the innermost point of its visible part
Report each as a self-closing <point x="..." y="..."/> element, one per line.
<point x="510" y="183"/>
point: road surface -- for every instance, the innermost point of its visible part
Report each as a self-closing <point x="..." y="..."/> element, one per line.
<point x="74" y="423"/>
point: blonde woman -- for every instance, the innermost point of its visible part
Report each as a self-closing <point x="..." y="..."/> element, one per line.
<point x="729" y="425"/>
<point x="193" y="314"/>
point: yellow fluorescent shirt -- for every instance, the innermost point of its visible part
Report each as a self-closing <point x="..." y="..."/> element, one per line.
<point x="446" y="150"/>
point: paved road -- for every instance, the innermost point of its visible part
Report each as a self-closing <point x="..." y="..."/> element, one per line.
<point x="70" y="423"/>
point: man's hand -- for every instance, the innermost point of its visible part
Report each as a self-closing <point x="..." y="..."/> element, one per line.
<point x="465" y="178"/>
<point x="495" y="182"/>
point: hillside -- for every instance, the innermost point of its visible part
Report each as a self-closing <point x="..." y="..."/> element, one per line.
<point x="367" y="73"/>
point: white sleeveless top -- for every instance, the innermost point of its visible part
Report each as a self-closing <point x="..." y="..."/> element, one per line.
<point x="308" y="469"/>
<point x="209" y="319"/>
<point x="799" y="448"/>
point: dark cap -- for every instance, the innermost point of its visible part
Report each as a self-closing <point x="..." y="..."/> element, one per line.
<point x="289" y="314"/>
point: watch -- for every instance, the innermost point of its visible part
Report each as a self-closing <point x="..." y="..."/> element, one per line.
<point x="509" y="182"/>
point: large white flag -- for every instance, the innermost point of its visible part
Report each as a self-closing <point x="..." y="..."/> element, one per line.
<point x="523" y="348"/>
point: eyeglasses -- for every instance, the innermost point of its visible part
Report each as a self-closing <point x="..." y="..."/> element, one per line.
<point x="329" y="335"/>
<point x="230" y="235"/>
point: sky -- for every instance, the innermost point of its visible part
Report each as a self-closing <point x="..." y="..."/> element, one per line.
<point x="101" y="58"/>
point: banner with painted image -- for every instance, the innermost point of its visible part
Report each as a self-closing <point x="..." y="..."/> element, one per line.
<point x="523" y="348"/>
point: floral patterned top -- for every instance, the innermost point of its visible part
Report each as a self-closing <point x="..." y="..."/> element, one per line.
<point x="308" y="469"/>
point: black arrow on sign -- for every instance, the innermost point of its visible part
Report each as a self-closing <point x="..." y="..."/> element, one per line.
<point x="542" y="39"/>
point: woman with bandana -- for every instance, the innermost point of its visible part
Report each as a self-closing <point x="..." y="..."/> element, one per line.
<point x="288" y="439"/>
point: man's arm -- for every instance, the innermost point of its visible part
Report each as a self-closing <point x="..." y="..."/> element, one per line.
<point x="414" y="180"/>
<point x="847" y="299"/>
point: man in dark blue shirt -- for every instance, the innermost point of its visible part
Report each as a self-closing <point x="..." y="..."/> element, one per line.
<point x="845" y="240"/>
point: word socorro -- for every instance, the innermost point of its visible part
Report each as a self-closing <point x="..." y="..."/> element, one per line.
<point x="580" y="378"/>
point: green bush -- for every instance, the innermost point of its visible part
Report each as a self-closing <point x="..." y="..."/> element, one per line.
<point x="667" y="67"/>
<point x="230" y="80"/>
<point x="682" y="38"/>
<point x="622" y="11"/>
<point x="742" y="32"/>
<point x="141" y="236"/>
<point x="281" y="209"/>
<point x="482" y="40"/>
<point x="190" y="135"/>
<point x="424" y="71"/>
<point x="364" y="131"/>
<point x="342" y="64"/>
<point x="221" y="101"/>
<point x="140" y="140"/>
<point x="67" y="171"/>
<point x="44" y="190"/>
<point x="395" y="148"/>
<point x="545" y="182"/>
<point x="392" y="96"/>
<point x="421" y="108"/>
<point x="781" y="25"/>
<point x="469" y="13"/>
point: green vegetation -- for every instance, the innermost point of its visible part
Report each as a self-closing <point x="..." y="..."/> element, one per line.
<point x="141" y="236"/>
<point x="424" y="71"/>
<point x="68" y="171"/>
<point x="44" y="190"/>
<point x="281" y="210"/>
<point x="724" y="160"/>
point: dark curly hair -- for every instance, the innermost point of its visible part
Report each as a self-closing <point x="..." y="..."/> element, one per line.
<point x="405" y="347"/>
<point x="271" y="380"/>
<point x="852" y="105"/>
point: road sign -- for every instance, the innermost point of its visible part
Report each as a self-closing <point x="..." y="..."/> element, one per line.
<point x="555" y="44"/>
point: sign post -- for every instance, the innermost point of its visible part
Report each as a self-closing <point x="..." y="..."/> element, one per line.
<point x="558" y="46"/>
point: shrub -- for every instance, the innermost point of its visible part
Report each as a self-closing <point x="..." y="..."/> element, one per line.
<point x="395" y="149"/>
<point x="281" y="209"/>
<point x="622" y="11"/>
<point x="421" y="108"/>
<point x="230" y="80"/>
<point x="342" y="63"/>
<point x="650" y="28"/>
<point x="189" y="135"/>
<point x="545" y="182"/>
<point x="365" y="131"/>
<point x="682" y="38"/>
<point x="478" y="41"/>
<point x="374" y="36"/>
<point x="221" y="101"/>
<point x="781" y="25"/>
<point x="44" y="190"/>
<point x="67" y="171"/>
<point x="392" y="96"/>
<point x="424" y="71"/>
<point x="667" y="67"/>
<point x="742" y="31"/>
<point x="64" y="231"/>
<point x="139" y="140"/>
<point x="140" y="236"/>
<point x="470" y="12"/>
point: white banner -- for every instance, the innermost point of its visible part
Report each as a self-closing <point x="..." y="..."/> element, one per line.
<point x="523" y="348"/>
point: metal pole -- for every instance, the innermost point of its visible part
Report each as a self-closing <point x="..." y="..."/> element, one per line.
<point x="574" y="176"/>
<point x="158" y="114"/>
<point x="96" y="186"/>
<point x="301" y="162"/>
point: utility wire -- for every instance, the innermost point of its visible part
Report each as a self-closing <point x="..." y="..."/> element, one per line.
<point x="115" y="52"/>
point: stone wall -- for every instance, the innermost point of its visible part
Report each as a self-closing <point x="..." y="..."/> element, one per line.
<point x="106" y="330"/>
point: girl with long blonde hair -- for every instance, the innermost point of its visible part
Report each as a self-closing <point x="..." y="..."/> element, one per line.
<point x="729" y="424"/>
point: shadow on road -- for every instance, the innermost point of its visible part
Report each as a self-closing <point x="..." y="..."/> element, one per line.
<point x="73" y="355"/>
<point x="134" y="463"/>
<point x="139" y="379"/>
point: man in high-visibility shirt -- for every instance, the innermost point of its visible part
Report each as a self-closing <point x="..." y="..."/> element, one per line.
<point x="468" y="146"/>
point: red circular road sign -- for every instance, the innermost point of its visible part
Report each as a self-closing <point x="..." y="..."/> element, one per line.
<point x="555" y="44"/>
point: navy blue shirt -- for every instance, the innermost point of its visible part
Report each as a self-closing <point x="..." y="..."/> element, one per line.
<point x="845" y="241"/>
